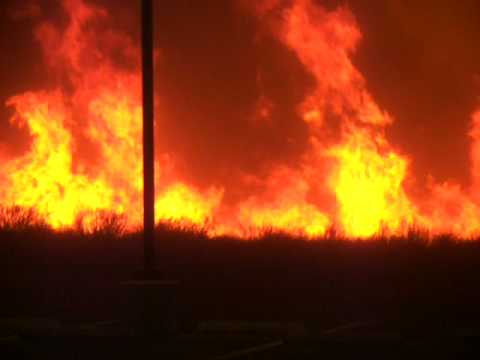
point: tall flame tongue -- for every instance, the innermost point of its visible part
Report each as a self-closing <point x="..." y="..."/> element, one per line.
<point x="86" y="149"/>
<point x="85" y="153"/>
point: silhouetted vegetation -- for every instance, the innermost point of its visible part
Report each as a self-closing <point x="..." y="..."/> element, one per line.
<point x="419" y="280"/>
<point x="15" y="219"/>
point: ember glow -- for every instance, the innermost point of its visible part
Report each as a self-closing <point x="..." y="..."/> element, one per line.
<point x="85" y="151"/>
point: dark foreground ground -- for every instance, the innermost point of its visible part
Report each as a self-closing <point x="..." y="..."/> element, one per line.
<point x="397" y="298"/>
<point x="243" y="347"/>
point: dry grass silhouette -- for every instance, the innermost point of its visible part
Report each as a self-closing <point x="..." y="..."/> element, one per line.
<point x="416" y="278"/>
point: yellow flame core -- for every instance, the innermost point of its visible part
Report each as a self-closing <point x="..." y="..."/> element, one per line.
<point x="43" y="178"/>
<point x="368" y="186"/>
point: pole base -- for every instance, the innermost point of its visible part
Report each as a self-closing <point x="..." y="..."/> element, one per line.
<point x="151" y="306"/>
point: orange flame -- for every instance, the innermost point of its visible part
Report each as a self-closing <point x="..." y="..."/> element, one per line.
<point x="85" y="151"/>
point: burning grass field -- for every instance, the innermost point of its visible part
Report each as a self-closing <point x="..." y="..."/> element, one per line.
<point x="282" y="197"/>
<point x="305" y="147"/>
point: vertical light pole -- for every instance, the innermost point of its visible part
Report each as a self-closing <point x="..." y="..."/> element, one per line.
<point x="148" y="137"/>
<point x="153" y="299"/>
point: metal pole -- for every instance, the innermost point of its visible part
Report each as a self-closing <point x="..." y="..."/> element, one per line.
<point x="148" y="136"/>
